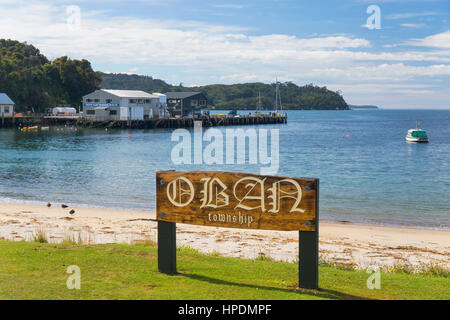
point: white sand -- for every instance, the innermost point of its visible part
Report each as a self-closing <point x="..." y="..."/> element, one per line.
<point x="362" y="245"/>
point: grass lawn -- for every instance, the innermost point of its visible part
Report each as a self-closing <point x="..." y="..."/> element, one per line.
<point x="33" y="270"/>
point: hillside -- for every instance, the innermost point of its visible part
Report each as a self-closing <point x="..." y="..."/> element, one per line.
<point x="34" y="83"/>
<point x="238" y="96"/>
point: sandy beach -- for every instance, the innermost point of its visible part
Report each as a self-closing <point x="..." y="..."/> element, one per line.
<point x="360" y="245"/>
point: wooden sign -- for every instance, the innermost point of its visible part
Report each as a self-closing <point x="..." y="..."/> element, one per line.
<point x="237" y="200"/>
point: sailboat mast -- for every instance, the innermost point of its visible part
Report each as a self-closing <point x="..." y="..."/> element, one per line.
<point x="259" y="107"/>
<point x="277" y="96"/>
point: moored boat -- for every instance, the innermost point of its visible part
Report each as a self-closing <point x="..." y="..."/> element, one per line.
<point x="417" y="135"/>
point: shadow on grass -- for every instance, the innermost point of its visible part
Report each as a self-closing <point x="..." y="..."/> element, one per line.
<point x="321" y="293"/>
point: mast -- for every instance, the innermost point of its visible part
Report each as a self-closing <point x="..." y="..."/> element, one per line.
<point x="259" y="106"/>
<point x="277" y="96"/>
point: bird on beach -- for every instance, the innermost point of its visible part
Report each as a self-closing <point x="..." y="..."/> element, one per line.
<point x="72" y="211"/>
<point x="49" y="204"/>
<point x="64" y="206"/>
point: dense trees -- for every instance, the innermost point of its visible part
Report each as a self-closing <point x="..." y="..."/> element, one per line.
<point x="238" y="96"/>
<point x="245" y="96"/>
<point x="32" y="81"/>
<point x="134" y="82"/>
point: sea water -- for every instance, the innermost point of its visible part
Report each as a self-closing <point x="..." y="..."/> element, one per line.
<point x="368" y="172"/>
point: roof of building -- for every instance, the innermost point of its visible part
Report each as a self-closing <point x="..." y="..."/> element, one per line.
<point x="4" y="99"/>
<point x="130" y="93"/>
<point x="181" y="95"/>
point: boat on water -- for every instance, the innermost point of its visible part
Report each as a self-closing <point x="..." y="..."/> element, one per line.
<point x="417" y="135"/>
<point x="33" y="128"/>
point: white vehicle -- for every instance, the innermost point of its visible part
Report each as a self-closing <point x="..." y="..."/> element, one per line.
<point x="64" y="111"/>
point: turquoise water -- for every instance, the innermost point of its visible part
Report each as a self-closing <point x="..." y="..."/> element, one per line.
<point x="368" y="172"/>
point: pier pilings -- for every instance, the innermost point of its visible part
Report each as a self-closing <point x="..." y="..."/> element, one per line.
<point x="186" y="122"/>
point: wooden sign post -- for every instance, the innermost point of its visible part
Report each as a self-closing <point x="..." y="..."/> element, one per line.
<point x="239" y="200"/>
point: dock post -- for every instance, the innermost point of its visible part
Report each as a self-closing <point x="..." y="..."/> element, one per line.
<point x="308" y="266"/>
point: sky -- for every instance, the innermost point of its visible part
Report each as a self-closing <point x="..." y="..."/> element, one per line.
<point x="391" y="53"/>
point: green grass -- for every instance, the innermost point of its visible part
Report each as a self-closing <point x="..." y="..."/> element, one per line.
<point x="40" y="236"/>
<point x="34" y="270"/>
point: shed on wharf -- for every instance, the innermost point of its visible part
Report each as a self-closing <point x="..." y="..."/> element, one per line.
<point x="182" y="104"/>
<point x="121" y="105"/>
<point x="6" y="106"/>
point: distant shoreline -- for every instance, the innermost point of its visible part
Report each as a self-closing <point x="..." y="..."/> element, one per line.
<point x="363" y="107"/>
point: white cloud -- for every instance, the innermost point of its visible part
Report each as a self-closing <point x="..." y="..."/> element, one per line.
<point x="413" y="25"/>
<point x="407" y="15"/>
<point x="119" y="39"/>
<point x="229" y="6"/>
<point x="375" y="87"/>
<point x="394" y="95"/>
<point x="440" y="40"/>
<point x="211" y="53"/>
<point x="386" y="72"/>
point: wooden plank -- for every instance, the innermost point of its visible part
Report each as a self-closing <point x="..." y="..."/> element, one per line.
<point x="236" y="200"/>
<point x="308" y="267"/>
<point x="167" y="247"/>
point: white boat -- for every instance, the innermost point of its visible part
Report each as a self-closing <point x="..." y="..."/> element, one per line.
<point x="417" y="135"/>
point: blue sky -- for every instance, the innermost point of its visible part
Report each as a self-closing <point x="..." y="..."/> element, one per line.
<point x="403" y="64"/>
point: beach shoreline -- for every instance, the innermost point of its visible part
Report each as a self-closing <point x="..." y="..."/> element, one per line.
<point x="328" y="220"/>
<point x="356" y="244"/>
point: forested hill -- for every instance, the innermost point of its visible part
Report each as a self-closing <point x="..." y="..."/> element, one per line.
<point x="35" y="83"/>
<point x="238" y="96"/>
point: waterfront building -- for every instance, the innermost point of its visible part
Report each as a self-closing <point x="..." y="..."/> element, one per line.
<point x="163" y="113"/>
<point x="186" y="103"/>
<point x="6" y="106"/>
<point x="109" y="105"/>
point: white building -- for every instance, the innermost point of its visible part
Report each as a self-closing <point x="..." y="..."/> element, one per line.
<point x="6" y="106"/>
<point x="163" y="104"/>
<point x="107" y="105"/>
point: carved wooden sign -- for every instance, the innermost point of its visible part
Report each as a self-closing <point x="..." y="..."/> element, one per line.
<point x="237" y="200"/>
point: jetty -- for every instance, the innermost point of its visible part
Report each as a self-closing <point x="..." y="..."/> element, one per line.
<point x="177" y="122"/>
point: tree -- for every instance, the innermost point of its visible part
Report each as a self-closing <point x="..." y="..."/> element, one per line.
<point x="77" y="78"/>
<point x="32" y="81"/>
